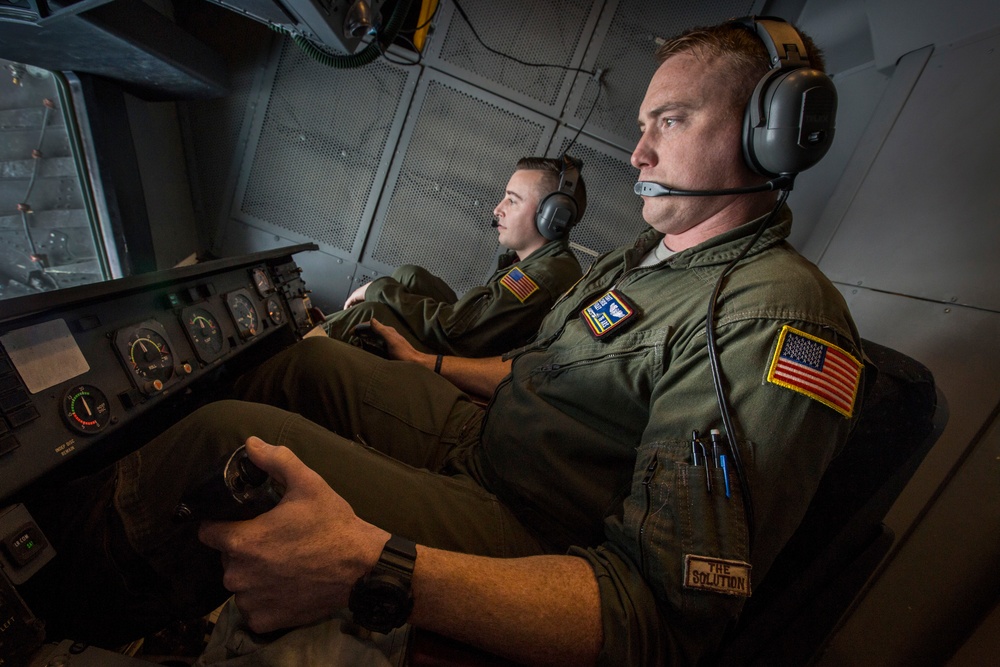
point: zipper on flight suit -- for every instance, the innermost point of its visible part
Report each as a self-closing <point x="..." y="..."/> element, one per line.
<point x="552" y="368"/>
<point x="646" y="482"/>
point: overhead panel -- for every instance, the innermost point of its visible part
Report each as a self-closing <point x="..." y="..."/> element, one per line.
<point x="128" y="42"/>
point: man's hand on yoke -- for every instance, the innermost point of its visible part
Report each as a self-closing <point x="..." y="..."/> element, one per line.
<point x="296" y="563"/>
<point x="400" y="348"/>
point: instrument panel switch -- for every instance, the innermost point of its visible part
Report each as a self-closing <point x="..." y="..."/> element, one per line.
<point x="24" y="544"/>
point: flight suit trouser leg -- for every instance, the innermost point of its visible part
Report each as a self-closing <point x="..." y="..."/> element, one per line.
<point x="340" y="325"/>
<point x="396" y="407"/>
<point x="131" y="551"/>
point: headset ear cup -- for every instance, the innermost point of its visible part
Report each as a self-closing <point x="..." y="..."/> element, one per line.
<point x="788" y="125"/>
<point x="754" y="121"/>
<point x="555" y="214"/>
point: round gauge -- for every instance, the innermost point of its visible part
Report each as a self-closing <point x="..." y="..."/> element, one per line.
<point x="274" y="311"/>
<point x="150" y="355"/>
<point x="262" y="282"/>
<point x="85" y="408"/>
<point x="204" y="332"/>
<point x="244" y="314"/>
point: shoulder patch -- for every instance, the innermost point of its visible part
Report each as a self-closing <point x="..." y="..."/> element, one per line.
<point x="811" y="366"/>
<point x="717" y="575"/>
<point x="519" y="284"/>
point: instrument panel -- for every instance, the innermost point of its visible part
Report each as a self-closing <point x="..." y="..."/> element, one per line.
<point x="80" y="365"/>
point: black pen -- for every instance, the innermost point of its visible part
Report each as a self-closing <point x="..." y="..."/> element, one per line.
<point x="714" y="434"/>
<point x="694" y="448"/>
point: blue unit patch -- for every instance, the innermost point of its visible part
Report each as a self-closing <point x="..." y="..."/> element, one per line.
<point x="608" y="315"/>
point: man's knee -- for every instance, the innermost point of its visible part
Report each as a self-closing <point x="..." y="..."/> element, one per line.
<point x="205" y="435"/>
<point x="407" y="272"/>
<point x="341" y="325"/>
<point x="316" y="355"/>
<point x="314" y="362"/>
<point x="418" y="280"/>
<point x="218" y="418"/>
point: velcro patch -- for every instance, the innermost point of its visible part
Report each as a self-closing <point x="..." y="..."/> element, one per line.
<point x="520" y="285"/>
<point x="729" y="577"/>
<point x="611" y="314"/>
<point x="820" y="370"/>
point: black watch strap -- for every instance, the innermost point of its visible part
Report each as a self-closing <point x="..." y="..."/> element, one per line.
<point x="398" y="557"/>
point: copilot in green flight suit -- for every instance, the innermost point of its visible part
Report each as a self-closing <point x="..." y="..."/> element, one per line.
<point x="488" y="320"/>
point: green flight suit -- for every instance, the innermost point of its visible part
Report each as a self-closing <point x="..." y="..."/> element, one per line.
<point x="590" y="440"/>
<point x="488" y="320"/>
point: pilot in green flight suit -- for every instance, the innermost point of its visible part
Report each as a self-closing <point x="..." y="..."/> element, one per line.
<point x="587" y="444"/>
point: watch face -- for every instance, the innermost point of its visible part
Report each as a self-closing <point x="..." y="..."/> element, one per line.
<point x="380" y="602"/>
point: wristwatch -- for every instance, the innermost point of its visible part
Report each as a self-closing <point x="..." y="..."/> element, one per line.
<point x="381" y="600"/>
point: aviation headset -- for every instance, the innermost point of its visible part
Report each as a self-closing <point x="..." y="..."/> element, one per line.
<point x="557" y="211"/>
<point x="788" y="124"/>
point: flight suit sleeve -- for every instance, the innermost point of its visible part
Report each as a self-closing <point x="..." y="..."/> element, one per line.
<point x="485" y="321"/>
<point x="677" y="564"/>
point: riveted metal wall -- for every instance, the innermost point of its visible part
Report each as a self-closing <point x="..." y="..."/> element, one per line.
<point x="553" y="33"/>
<point x="614" y="213"/>
<point x="624" y="47"/>
<point x="315" y="164"/>
<point x="458" y="151"/>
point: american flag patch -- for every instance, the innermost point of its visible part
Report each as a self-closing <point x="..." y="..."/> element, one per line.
<point x="813" y="367"/>
<point x="520" y="285"/>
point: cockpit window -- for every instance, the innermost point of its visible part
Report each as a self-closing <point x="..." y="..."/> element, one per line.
<point x="49" y="236"/>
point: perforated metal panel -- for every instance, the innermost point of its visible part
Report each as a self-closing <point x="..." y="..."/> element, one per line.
<point x="624" y="48"/>
<point x="614" y="213"/>
<point x="323" y="145"/>
<point x="554" y="32"/>
<point x="460" y="148"/>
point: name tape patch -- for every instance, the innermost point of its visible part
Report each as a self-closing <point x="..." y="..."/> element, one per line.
<point x="519" y="284"/>
<point x="811" y="366"/>
<point x="608" y="315"/>
<point x="729" y="577"/>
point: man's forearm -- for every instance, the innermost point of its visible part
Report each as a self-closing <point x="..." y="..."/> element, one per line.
<point x="535" y="610"/>
<point x="478" y="377"/>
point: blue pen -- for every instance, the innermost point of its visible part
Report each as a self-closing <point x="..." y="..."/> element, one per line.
<point x="725" y="472"/>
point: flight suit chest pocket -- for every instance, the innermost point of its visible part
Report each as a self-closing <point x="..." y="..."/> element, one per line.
<point x="685" y="516"/>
